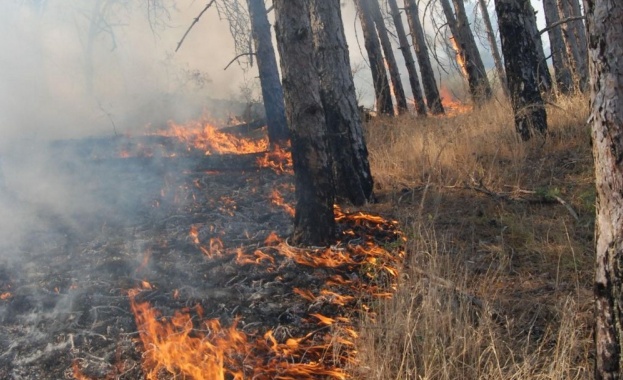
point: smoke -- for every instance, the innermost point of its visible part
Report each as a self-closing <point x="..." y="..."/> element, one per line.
<point x="71" y="69"/>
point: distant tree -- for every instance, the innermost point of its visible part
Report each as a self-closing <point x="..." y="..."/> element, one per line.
<point x="405" y="49"/>
<point x="351" y="169"/>
<point x="574" y="37"/>
<point x="433" y="100"/>
<point x="468" y="55"/>
<point x="314" y="221"/>
<point x="390" y="59"/>
<point x="382" y="90"/>
<point x="604" y="20"/>
<point x="521" y="63"/>
<point x="560" y="60"/>
<point x="495" y="52"/>
<point x="272" y="92"/>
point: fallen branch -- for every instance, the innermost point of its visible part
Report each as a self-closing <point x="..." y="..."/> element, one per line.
<point x="196" y="20"/>
<point x="546" y="198"/>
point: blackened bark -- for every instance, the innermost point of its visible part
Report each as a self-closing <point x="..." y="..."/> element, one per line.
<point x="351" y="169"/>
<point x="560" y="60"/>
<point x="390" y="59"/>
<point x="545" y="77"/>
<point x="521" y="63"/>
<point x="377" y="65"/>
<point x="414" y="82"/>
<point x="468" y="54"/>
<point x="314" y="221"/>
<point x="495" y="52"/>
<point x="272" y="92"/>
<point x="604" y="20"/>
<point x="433" y="100"/>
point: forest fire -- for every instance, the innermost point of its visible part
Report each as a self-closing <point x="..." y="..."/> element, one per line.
<point x="193" y="347"/>
<point x="459" y="58"/>
<point x="203" y="136"/>
<point x="453" y="105"/>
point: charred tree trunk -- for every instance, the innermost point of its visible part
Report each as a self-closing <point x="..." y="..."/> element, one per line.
<point x="495" y="52"/>
<point x="545" y="78"/>
<point x="560" y="60"/>
<point x="521" y="61"/>
<point x="272" y="93"/>
<point x="377" y="65"/>
<point x="574" y="46"/>
<point x="390" y="59"/>
<point x="604" y="20"/>
<point x="351" y="169"/>
<point x="468" y="55"/>
<point x="416" y="89"/>
<point x="433" y="100"/>
<point x="314" y="221"/>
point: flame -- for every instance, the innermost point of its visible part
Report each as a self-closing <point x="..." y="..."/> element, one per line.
<point x="278" y="159"/>
<point x="194" y="234"/>
<point x="174" y="346"/>
<point x="206" y="137"/>
<point x="459" y="58"/>
<point x="77" y="372"/>
<point x="277" y="199"/>
<point x="5" y="296"/>
<point x="452" y="105"/>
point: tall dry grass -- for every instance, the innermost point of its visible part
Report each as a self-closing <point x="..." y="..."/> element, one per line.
<point x="492" y="287"/>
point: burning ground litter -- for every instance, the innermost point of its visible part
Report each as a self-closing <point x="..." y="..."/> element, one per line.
<point x="184" y="271"/>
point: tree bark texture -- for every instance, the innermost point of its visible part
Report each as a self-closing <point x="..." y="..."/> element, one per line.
<point x="390" y="59"/>
<point x="545" y="77"/>
<point x="382" y="90"/>
<point x="560" y="60"/>
<point x="314" y="221"/>
<point x="604" y="19"/>
<point x="351" y="169"/>
<point x="272" y="92"/>
<point x="414" y="82"/>
<point x="575" y="45"/>
<point x="468" y="55"/>
<point x="495" y="52"/>
<point x="521" y="63"/>
<point x="433" y="100"/>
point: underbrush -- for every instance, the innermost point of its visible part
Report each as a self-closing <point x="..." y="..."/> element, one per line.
<point x="498" y="275"/>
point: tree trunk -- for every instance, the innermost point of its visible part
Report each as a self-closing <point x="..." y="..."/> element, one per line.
<point x="572" y="45"/>
<point x="272" y="93"/>
<point x="377" y="65"/>
<point x="390" y="59"/>
<point x="314" y="221"/>
<point x="560" y="60"/>
<point x="579" y="31"/>
<point x="604" y="20"/>
<point x="521" y="62"/>
<point x="416" y="90"/>
<point x="468" y="56"/>
<point x="351" y="170"/>
<point x="433" y="100"/>
<point x="545" y="78"/>
<point x="495" y="52"/>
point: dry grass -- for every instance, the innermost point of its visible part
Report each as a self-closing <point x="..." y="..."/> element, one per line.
<point x="494" y="286"/>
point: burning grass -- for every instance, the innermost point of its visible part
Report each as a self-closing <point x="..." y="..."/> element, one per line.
<point x="498" y="276"/>
<point x="357" y="270"/>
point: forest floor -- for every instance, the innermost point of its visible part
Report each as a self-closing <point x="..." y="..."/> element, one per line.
<point x="497" y="282"/>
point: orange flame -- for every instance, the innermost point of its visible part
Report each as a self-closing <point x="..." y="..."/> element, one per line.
<point x="173" y="346"/>
<point x="277" y="199"/>
<point x="459" y="58"/>
<point x="5" y="296"/>
<point x="207" y="138"/>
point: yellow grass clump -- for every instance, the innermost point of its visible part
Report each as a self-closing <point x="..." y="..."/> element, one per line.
<point x="498" y="275"/>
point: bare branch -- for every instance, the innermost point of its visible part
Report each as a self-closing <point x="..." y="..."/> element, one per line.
<point x="237" y="57"/>
<point x="196" y="20"/>
<point x="563" y="21"/>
